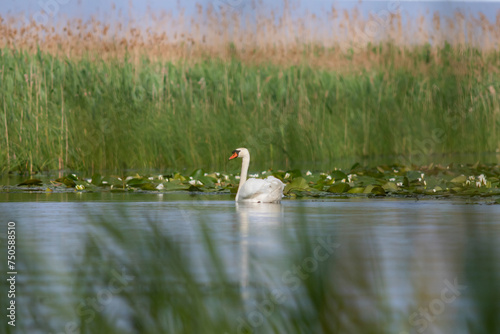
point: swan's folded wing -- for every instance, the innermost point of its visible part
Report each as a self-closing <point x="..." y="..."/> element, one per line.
<point x="257" y="190"/>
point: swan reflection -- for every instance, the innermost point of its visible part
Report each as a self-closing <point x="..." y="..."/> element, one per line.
<point x="252" y="217"/>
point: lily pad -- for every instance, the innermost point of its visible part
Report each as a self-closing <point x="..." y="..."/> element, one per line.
<point x="298" y="183"/>
<point x="338" y="175"/>
<point x="374" y="189"/>
<point x="31" y="183"/>
<point x="459" y="179"/>
<point x="339" y="188"/>
<point x="356" y="190"/>
<point x="390" y="186"/>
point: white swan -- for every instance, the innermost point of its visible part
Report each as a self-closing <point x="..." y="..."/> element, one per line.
<point x="269" y="190"/>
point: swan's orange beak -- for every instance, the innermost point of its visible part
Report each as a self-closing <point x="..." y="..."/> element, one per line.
<point x="235" y="155"/>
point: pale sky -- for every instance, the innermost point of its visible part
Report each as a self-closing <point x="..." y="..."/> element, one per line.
<point x="85" y="8"/>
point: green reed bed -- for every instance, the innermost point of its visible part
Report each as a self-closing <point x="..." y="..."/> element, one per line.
<point x="94" y="114"/>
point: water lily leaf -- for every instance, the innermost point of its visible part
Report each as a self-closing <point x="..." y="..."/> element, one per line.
<point x="194" y="188"/>
<point x="459" y="179"/>
<point x="298" y="183"/>
<point x="197" y="173"/>
<point x="207" y="181"/>
<point x="412" y="175"/>
<point x="178" y="176"/>
<point x="148" y="186"/>
<point x="175" y="185"/>
<point x="374" y="189"/>
<point x="339" y="188"/>
<point x="31" y="182"/>
<point x="96" y="179"/>
<point x="110" y="181"/>
<point x="406" y="182"/>
<point x="390" y="186"/>
<point x="67" y="181"/>
<point x="295" y="173"/>
<point x="137" y="182"/>
<point x="72" y="177"/>
<point x="338" y="175"/>
<point x="497" y="201"/>
<point x="356" y="190"/>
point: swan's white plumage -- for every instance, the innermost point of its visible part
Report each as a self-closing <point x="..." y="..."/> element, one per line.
<point x="269" y="190"/>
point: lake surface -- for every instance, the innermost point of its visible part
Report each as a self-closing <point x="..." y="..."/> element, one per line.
<point x="420" y="260"/>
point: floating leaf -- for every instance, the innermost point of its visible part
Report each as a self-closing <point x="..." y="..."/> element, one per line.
<point x="148" y="186"/>
<point x="67" y="181"/>
<point x="338" y="175"/>
<point x="374" y="189"/>
<point x="356" y="190"/>
<point x="390" y="186"/>
<point x="459" y="179"/>
<point x="31" y="183"/>
<point x="339" y="188"/>
<point x="298" y="183"/>
<point x="96" y="179"/>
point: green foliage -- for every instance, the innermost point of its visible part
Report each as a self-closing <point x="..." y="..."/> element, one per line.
<point x="436" y="181"/>
<point x="97" y="115"/>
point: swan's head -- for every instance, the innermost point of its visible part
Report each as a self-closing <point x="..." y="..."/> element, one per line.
<point x="239" y="153"/>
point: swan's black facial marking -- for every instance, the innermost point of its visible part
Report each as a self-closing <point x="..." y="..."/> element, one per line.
<point x="236" y="153"/>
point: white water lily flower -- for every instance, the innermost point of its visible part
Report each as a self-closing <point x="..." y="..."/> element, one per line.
<point x="237" y="177"/>
<point x="254" y="175"/>
<point x="80" y="187"/>
<point x="434" y="190"/>
<point x="422" y="175"/>
<point x="399" y="184"/>
<point x="160" y="186"/>
<point x="396" y="171"/>
<point x="350" y="176"/>
<point x="425" y="183"/>
<point x="308" y="173"/>
<point x="472" y="177"/>
<point x="481" y="178"/>
<point x="392" y="179"/>
<point x="128" y="178"/>
<point x="195" y="183"/>
<point x="226" y="177"/>
<point x="104" y="182"/>
<point x="328" y="177"/>
<point x="343" y="181"/>
<point x="160" y="177"/>
<point x="419" y="179"/>
<point x="88" y="180"/>
<point x="151" y="178"/>
<point x="264" y="172"/>
<point x="478" y="184"/>
<point x="119" y="178"/>
<point x="467" y="182"/>
<point x="287" y="175"/>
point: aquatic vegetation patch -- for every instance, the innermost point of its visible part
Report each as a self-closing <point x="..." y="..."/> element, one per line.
<point x="481" y="180"/>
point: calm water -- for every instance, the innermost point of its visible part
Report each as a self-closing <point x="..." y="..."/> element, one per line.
<point x="413" y="253"/>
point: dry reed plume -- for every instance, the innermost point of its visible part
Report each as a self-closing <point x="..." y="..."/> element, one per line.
<point x="260" y="36"/>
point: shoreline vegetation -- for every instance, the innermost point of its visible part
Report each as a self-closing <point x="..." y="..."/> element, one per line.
<point x="93" y="96"/>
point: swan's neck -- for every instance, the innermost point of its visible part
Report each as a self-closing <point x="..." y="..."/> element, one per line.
<point x="244" y="172"/>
